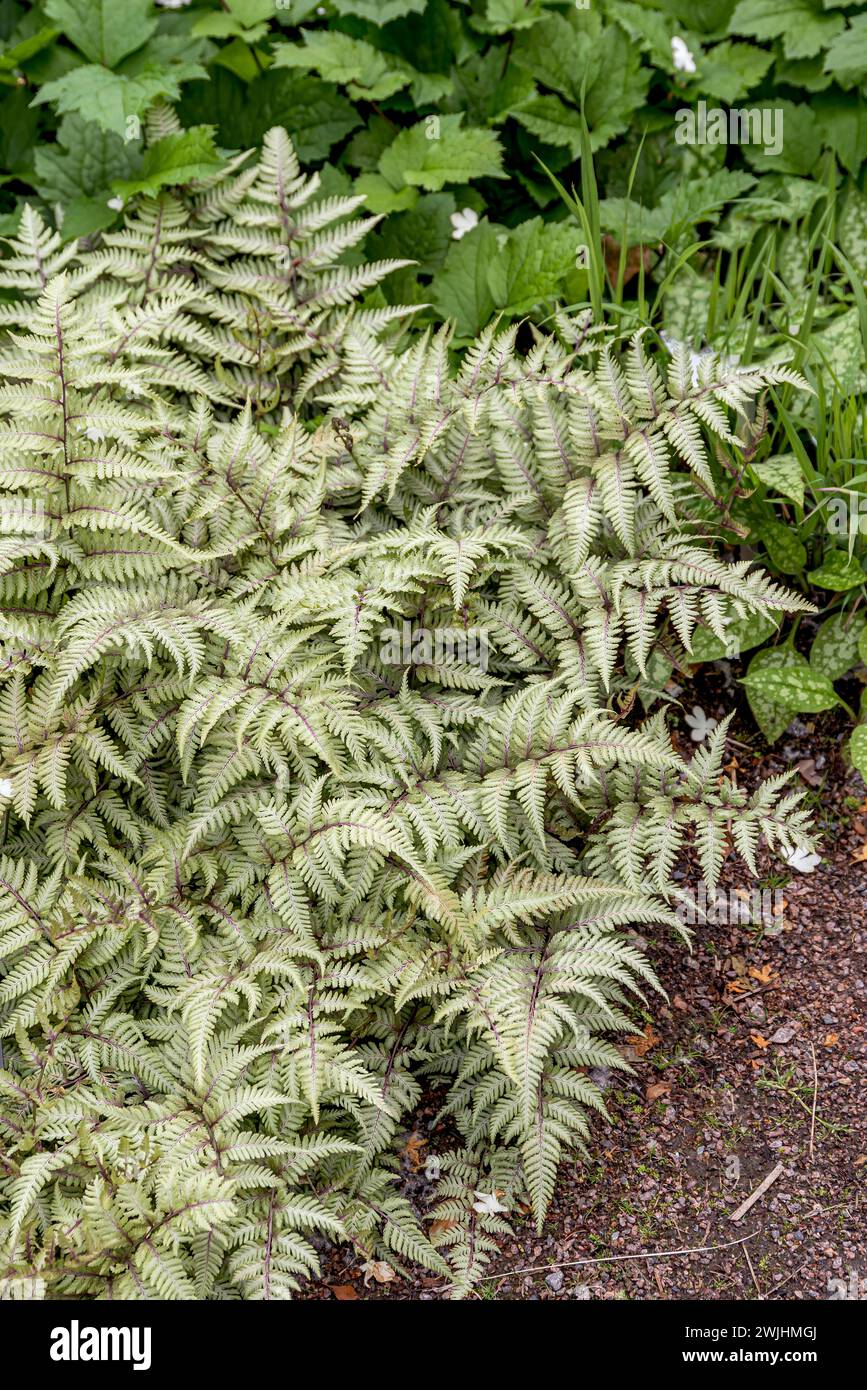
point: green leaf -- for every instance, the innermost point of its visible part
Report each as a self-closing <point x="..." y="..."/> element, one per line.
<point x="367" y="73"/>
<point x="840" y="349"/>
<point x="379" y="11"/>
<point x="461" y="290"/>
<point x="381" y="197"/>
<point x="531" y="263"/>
<point x="435" y="151"/>
<point x="19" y="53"/>
<point x="836" y="645"/>
<point x="245" y="62"/>
<point x="838" y="571"/>
<point x="843" y="122"/>
<point x="782" y="473"/>
<point x="862" y="646"/>
<point x="792" y="687"/>
<point x="553" y="121"/>
<point x="651" y="31"/>
<point x="802" y="25"/>
<point x="251" y="12"/>
<point x="858" y="749"/>
<point x="426" y="230"/>
<point x="785" y="550"/>
<point x="772" y="717"/>
<point x="742" y="634"/>
<point x="84" y="216"/>
<point x="317" y="115"/>
<point x="852" y="229"/>
<point x="618" y="89"/>
<point x="103" y="30"/>
<point x="106" y="97"/>
<point x="228" y="26"/>
<point x="557" y="55"/>
<point x="847" y="56"/>
<point x="801" y="144"/>
<point x="177" y="159"/>
<point x="504" y="16"/>
<point x="730" y="70"/>
<point x="83" y="163"/>
<point x="487" y="92"/>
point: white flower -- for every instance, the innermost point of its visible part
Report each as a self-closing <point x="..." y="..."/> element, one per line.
<point x="681" y="56"/>
<point x="802" y="861"/>
<point x="700" y="724"/>
<point x="94" y="434"/>
<point x="5" y="786"/>
<point x="488" y="1204"/>
<point x="116" y="204"/>
<point x="463" y="222"/>
<point x="172" y="4"/>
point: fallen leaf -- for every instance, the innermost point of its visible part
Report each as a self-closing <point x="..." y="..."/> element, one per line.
<point x="759" y="1040"/>
<point x="643" y="1042"/>
<point x="380" y="1270"/>
<point x="860" y="855"/>
<point x="634" y="257"/>
<point x="680" y="1004"/>
<point x="831" y="1039"/>
<point x="807" y="769"/>
<point x="438" y="1227"/>
<point x="861" y="1159"/>
<point x="764" y="974"/>
<point x="412" y="1150"/>
<point x="737" y="986"/>
<point x="344" y="1292"/>
<point x="658" y="1089"/>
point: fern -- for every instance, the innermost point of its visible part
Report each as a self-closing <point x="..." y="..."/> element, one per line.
<point x="262" y="882"/>
<point x="241" y="277"/>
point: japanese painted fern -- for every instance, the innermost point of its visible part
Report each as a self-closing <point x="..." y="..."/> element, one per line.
<point x="264" y="882"/>
<point x="235" y="287"/>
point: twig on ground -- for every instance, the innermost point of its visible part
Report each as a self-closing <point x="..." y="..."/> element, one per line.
<point x="815" y="1098"/>
<point x="787" y="1279"/>
<point x="752" y="1272"/>
<point x="754" y="1196"/>
<point x="614" y="1259"/>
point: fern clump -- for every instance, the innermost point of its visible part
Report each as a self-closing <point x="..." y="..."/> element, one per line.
<point x="236" y="285"/>
<point x="266" y="876"/>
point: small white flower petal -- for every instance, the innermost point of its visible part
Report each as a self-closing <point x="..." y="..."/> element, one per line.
<point x="116" y="204"/>
<point x="801" y="860"/>
<point x="700" y="724"/>
<point x="488" y="1204"/>
<point x="463" y="222"/>
<point x="681" y="56"/>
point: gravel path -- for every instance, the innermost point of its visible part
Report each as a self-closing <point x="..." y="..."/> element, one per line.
<point x="757" y="1059"/>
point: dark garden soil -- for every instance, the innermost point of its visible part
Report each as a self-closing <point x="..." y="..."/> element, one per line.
<point x="757" y="1058"/>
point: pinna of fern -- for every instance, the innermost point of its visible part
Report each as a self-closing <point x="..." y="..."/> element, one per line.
<point x="262" y="883"/>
